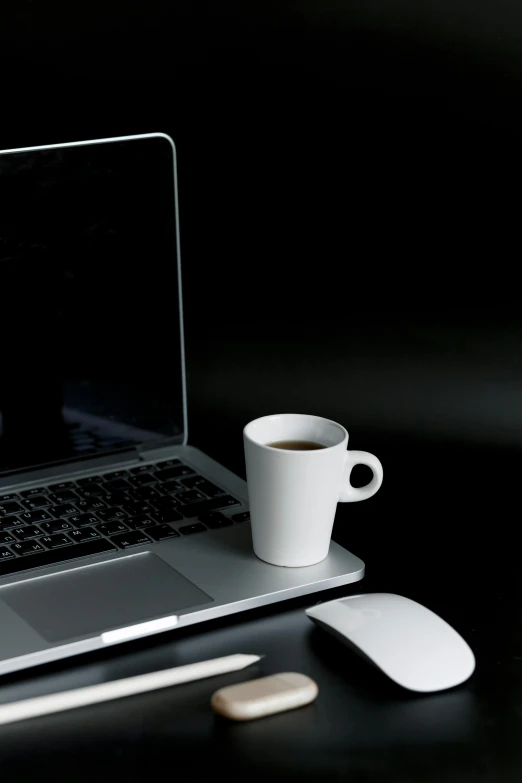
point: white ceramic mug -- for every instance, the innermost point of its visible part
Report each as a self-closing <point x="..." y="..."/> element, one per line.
<point x="294" y="494"/>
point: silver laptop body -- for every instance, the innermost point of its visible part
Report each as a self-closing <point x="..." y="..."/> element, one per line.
<point x="111" y="526"/>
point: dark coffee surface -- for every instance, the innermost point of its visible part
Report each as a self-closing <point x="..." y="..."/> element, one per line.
<point x="297" y="445"/>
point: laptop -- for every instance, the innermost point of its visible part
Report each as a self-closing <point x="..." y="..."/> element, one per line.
<point x="111" y="526"/>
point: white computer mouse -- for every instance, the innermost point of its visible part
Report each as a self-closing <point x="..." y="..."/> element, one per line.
<point x="410" y="644"/>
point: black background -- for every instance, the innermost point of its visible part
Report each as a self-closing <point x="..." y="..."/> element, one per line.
<point x="349" y="178"/>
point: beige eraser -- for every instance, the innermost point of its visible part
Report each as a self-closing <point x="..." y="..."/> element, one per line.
<point x="264" y="696"/>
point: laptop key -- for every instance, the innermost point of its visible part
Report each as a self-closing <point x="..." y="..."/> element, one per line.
<point x="188" y="530"/>
<point x="10" y="522"/>
<point x="133" y="509"/>
<point x="37" y="501"/>
<point x="56" y="526"/>
<point x="90" y="480"/>
<point x="117" y="498"/>
<point x="190" y="496"/>
<point x="7" y="538"/>
<point x="32" y="517"/>
<point x="192" y="481"/>
<point x="169" y="486"/>
<point x="92" y="490"/>
<point x="146" y="493"/>
<point x="161" y="532"/>
<point x="91" y="504"/>
<point x="244" y="516"/>
<point x="62" y="511"/>
<point x="64" y="496"/>
<point x="136" y="523"/>
<point x="173" y="473"/>
<point x="142" y="478"/>
<point x="27" y="531"/>
<point x="47" y="558"/>
<point x="198" y="482"/>
<point x="215" y="519"/>
<point x="142" y="469"/>
<point x="111" y="528"/>
<point x="116" y="485"/>
<point x="9" y="496"/>
<point x="10" y="508"/>
<point x="27" y="548"/>
<point x="106" y="514"/>
<point x="126" y="540"/>
<point x="83" y="534"/>
<point x="195" y="509"/>
<point x="62" y="485"/>
<point x="165" y="501"/>
<point x="53" y="542"/>
<point x="5" y="553"/>
<point x="116" y="474"/>
<point x="34" y="491"/>
<point x="167" y="515"/>
<point x="210" y="489"/>
<point x="82" y="520"/>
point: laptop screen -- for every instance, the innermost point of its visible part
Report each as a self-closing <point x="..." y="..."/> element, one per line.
<point x="90" y="354"/>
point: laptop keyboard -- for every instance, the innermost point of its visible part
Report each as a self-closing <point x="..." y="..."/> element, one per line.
<point x="108" y="512"/>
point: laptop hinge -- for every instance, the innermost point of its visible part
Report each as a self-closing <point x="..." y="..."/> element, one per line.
<point x="108" y="458"/>
<point x="102" y="461"/>
<point x="155" y="445"/>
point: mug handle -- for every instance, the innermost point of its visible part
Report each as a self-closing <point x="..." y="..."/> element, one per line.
<point x="351" y="494"/>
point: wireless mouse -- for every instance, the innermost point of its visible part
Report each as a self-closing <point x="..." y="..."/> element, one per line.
<point x="412" y="645"/>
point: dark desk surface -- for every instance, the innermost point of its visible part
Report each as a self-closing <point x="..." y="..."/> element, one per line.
<point x="362" y="727"/>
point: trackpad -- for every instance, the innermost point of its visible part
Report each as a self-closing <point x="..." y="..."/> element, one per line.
<point x="91" y="599"/>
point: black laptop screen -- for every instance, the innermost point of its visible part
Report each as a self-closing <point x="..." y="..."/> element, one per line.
<point x="90" y="357"/>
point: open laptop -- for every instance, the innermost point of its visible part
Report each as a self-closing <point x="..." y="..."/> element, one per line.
<point x="111" y="526"/>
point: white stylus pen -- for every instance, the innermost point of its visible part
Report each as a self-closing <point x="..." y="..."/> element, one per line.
<point x="106" y="691"/>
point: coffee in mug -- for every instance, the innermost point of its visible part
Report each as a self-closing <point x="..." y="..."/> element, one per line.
<point x="296" y="445"/>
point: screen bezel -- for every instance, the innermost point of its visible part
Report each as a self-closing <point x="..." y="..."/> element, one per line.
<point x="165" y="441"/>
